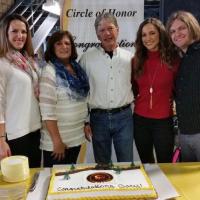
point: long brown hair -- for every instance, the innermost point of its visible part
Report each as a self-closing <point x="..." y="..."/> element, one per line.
<point x="167" y="55"/>
<point x="5" y="44"/>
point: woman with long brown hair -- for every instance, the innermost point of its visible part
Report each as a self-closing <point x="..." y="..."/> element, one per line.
<point x="154" y="71"/>
<point x="19" y="108"/>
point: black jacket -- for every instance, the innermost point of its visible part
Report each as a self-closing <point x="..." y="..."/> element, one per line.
<point x="188" y="91"/>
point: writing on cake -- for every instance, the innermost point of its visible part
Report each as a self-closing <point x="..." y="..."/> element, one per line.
<point x="137" y="186"/>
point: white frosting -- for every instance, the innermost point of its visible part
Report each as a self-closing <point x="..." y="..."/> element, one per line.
<point x="15" y="168"/>
<point x="131" y="183"/>
<point x="14" y="161"/>
<point x="125" y="179"/>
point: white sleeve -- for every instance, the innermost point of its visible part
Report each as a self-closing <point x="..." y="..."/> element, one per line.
<point x="48" y="95"/>
<point x="2" y="98"/>
<point x="4" y="77"/>
<point x="82" y="62"/>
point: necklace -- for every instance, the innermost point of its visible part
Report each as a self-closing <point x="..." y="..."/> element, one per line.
<point x="151" y="82"/>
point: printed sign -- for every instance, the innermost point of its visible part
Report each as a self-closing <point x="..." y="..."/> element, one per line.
<point x="78" y="17"/>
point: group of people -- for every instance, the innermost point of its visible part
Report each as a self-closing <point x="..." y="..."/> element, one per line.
<point x="109" y="96"/>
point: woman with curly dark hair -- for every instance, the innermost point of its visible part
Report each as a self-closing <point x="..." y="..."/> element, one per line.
<point x="154" y="71"/>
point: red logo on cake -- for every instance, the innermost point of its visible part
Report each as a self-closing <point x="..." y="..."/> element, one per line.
<point x="99" y="177"/>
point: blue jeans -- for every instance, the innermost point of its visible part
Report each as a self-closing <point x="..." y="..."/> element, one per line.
<point x="190" y="147"/>
<point x="116" y="128"/>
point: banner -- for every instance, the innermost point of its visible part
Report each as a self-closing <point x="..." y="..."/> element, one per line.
<point x="78" y="17"/>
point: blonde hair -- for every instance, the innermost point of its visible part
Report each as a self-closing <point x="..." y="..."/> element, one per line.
<point x="5" y="44"/>
<point x="190" y="21"/>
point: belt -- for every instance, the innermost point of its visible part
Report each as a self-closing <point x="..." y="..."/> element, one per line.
<point x="112" y="110"/>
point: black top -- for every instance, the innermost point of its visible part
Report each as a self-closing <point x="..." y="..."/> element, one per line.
<point x="188" y="91"/>
<point x="110" y="53"/>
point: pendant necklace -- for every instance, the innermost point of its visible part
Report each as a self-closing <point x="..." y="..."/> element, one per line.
<point x="151" y="82"/>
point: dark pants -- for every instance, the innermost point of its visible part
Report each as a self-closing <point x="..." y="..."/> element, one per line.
<point x="28" y="145"/>
<point x="190" y="148"/>
<point x="157" y="133"/>
<point x="71" y="155"/>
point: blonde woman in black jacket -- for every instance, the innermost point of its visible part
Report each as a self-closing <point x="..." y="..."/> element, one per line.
<point x="184" y="31"/>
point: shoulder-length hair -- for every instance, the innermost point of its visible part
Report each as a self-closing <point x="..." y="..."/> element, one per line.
<point x="166" y="54"/>
<point x="189" y="20"/>
<point x="55" y="37"/>
<point x="4" y="42"/>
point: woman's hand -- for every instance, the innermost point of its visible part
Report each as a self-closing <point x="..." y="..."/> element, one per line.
<point x="88" y="132"/>
<point x="58" y="150"/>
<point x="4" y="149"/>
<point x="58" y="145"/>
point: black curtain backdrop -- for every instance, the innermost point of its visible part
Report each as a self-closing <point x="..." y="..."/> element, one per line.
<point x="169" y="6"/>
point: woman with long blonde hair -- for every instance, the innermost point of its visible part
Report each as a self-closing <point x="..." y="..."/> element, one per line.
<point x="184" y="31"/>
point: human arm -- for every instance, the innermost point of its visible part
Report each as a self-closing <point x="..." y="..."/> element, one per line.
<point x="88" y="131"/>
<point x="83" y="62"/>
<point x="87" y="127"/>
<point x="48" y="101"/>
<point x="175" y="69"/>
<point x="58" y="146"/>
<point x="4" y="147"/>
<point x="133" y="80"/>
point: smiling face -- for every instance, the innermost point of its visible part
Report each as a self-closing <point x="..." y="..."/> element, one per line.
<point x="150" y="37"/>
<point x="62" y="49"/>
<point x="17" y="34"/>
<point x="107" y="33"/>
<point x="180" y="34"/>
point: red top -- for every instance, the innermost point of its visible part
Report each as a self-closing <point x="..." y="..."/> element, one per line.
<point x="155" y="88"/>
